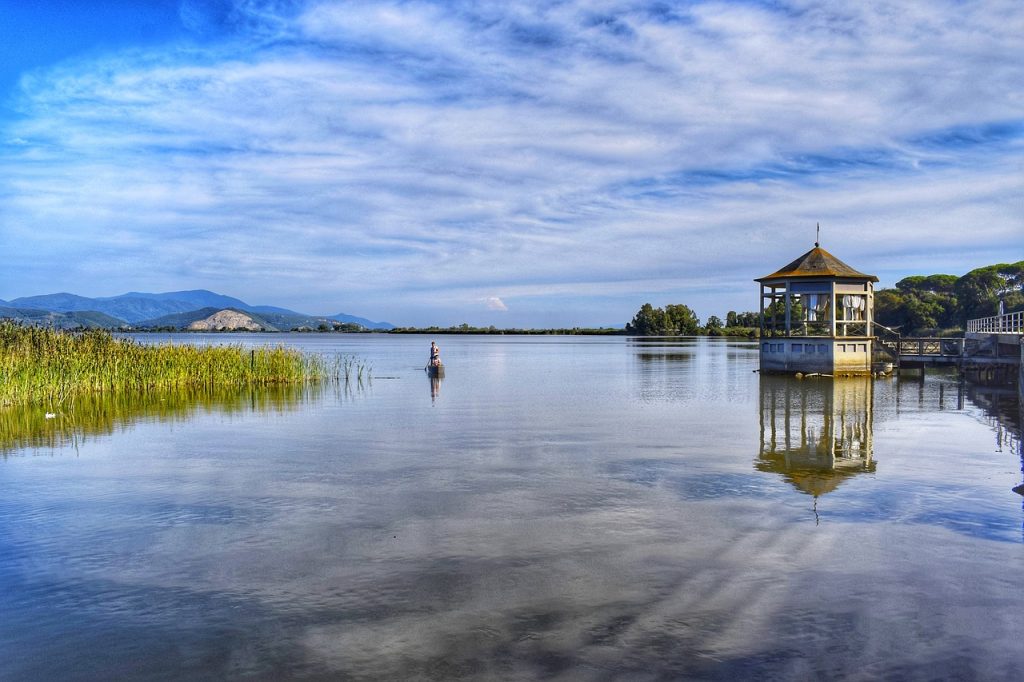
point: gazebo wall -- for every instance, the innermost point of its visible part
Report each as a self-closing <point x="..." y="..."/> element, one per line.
<point x="815" y="354"/>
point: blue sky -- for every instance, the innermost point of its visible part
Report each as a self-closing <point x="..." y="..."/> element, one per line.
<point x="517" y="163"/>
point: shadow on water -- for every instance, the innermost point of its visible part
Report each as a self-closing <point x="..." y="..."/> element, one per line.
<point x="816" y="432"/>
<point x="95" y="414"/>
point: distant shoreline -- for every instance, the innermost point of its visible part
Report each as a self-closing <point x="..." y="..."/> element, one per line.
<point x="741" y="333"/>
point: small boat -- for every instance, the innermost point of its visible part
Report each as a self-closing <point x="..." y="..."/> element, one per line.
<point x="435" y="370"/>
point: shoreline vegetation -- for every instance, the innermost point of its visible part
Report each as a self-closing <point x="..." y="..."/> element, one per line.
<point x="50" y="368"/>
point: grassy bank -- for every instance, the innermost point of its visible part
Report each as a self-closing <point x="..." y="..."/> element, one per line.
<point x="50" y="367"/>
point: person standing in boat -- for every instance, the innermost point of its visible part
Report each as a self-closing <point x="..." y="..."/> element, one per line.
<point x="435" y="355"/>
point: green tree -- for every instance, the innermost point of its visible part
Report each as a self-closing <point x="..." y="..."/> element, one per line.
<point x="979" y="292"/>
<point x="890" y="310"/>
<point x="748" y="319"/>
<point x="929" y="301"/>
<point x="928" y="284"/>
<point x="648" y="321"/>
<point x="924" y="303"/>
<point x="682" y="320"/>
<point x="676" y="319"/>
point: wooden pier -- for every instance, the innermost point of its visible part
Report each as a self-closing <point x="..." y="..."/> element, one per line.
<point x="991" y="345"/>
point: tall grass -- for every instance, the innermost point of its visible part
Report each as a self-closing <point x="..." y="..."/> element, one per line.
<point x="48" y="367"/>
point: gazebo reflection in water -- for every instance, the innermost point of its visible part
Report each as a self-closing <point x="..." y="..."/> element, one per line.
<point x="816" y="432"/>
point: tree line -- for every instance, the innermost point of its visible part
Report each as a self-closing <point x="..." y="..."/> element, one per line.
<point x="928" y="304"/>
<point x="918" y="305"/>
<point x="679" y="320"/>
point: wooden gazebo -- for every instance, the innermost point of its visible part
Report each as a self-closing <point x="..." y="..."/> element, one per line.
<point x="816" y="317"/>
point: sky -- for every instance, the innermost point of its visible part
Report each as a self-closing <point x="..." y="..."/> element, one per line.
<point x="517" y="164"/>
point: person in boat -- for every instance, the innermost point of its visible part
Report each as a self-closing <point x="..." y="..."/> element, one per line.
<point x="435" y="355"/>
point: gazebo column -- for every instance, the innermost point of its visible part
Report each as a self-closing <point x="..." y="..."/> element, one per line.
<point x="869" y="309"/>
<point x="762" y="312"/>
<point x="788" y="309"/>
<point x="833" y="308"/>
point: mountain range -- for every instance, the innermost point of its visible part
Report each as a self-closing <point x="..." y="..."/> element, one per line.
<point x="177" y="309"/>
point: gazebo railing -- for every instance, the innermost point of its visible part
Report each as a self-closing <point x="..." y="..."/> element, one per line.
<point x="1010" y="323"/>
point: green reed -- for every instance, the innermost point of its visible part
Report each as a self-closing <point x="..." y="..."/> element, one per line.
<point x="50" y="367"/>
<point x="350" y="366"/>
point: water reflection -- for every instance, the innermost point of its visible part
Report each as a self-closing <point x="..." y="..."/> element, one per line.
<point x="541" y="523"/>
<point x="95" y="414"/>
<point x="663" y="349"/>
<point x="1005" y="415"/>
<point x="1000" y="405"/>
<point x="1002" y="408"/>
<point x="816" y="433"/>
<point x="692" y="370"/>
<point x="435" y="386"/>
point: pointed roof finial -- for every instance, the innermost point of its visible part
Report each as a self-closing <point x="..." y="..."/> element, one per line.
<point x="817" y="237"/>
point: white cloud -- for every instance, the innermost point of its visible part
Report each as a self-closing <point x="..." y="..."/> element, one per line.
<point x="495" y="303"/>
<point x="390" y="154"/>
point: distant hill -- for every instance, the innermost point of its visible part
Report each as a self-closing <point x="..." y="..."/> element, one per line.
<point x="273" y="322"/>
<point x="369" y="324"/>
<point x="62" y="302"/>
<point x="196" y="298"/>
<point x="286" y="320"/>
<point x="59" y="320"/>
<point x="176" y="309"/>
<point x="186" y="319"/>
<point x="126" y="308"/>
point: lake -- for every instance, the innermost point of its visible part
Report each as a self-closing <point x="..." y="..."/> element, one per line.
<point x="578" y="508"/>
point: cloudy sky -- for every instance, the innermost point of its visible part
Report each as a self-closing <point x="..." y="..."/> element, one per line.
<point x="517" y="163"/>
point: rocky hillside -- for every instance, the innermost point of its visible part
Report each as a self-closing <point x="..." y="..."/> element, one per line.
<point x="227" y="320"/>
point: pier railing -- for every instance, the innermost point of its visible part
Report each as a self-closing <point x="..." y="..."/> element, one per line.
<point x="1010" y="323"/>
<point x="935" y="347"/>
<point x="937" y="350"/>
<point x="938" y="347"/>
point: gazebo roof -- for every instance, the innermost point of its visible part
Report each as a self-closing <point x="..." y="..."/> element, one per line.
<point x="817" y="263"/>
<point x="813" y="478"/>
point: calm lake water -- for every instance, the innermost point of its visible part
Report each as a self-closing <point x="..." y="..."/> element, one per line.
<point x="579" y="508"/>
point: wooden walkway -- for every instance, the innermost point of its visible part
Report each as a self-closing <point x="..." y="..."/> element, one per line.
<point x="989" y="341"/>
<point x="925" y="351"/>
